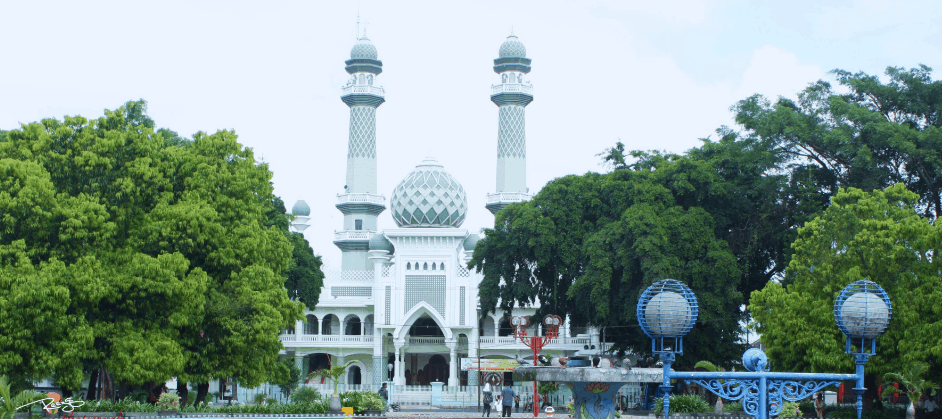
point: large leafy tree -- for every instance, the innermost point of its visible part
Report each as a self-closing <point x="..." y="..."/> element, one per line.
<point x="161" y="253"/>
<point x="875" y="235"/>
<point x="873" y="136"/>
<point x="588" y="246"/>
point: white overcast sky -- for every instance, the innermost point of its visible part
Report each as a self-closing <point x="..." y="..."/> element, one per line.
<point x="654" y="74"/>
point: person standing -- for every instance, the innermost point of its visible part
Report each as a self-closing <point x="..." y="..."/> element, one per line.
<point x="819" y="405"/>
<point x="384" y="393"/>
<point x="517" y="404"/>
<point x="488" y="399"/>
<point x="508" y="400"/>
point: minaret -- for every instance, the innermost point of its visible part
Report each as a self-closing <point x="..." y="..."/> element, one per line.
<point x="511" y="96"/>
<point x="360" y="203"/>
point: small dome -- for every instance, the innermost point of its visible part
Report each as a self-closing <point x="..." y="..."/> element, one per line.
<point x="429" y="197"/>
<point x="380" y="242"/>
<point x="301" y="208"/>
<point x="512" y="47"/>
<point x="471" y="241"/>
<point x="364" y="50"/>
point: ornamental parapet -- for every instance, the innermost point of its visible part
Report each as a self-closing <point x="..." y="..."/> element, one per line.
<point x="365" y="203"/>
<point x="512" y="88"/>
<point x="497" y="201"/>
<point x="353" y="239"/>
<point x="359" y="89"/>
<point x="362" y="95"/>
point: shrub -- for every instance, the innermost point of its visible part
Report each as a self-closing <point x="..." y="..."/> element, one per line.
<point x="305" y="395"/>
<point x="733" y="407"/>
<point x="167" y="401"/>
<point x="687" y="403"/>
<point x="259" y="398"/>
<point x="790" y="410"/>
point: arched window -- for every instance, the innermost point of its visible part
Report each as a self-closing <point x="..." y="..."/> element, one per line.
<point x="369" y="80"/>
<point x="434" y="266"/>
<point x="442" y="266"/>
<point x="409" y="266"/>
<point x="503" y="78"/>
<point x="362" y="78"/>
<point x="425" y="266"/>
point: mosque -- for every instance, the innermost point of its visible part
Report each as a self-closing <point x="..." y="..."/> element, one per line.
<point x="404" y="307"/>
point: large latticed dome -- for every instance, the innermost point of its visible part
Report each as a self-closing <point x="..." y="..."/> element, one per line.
<point x="364" y="50"/>
<point x="429" y="197"/>
<point x="512" y="47"/>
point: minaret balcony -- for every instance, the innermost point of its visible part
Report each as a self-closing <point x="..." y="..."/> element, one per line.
<point x="348" y="240"/>
<point x="524" y="88"/>
<point x="507" y="197"/>
<point x="497" y="201"/>
<point x="357" y="89"/>
<point x="353" y="235"/>
<point x="361" y="203"/>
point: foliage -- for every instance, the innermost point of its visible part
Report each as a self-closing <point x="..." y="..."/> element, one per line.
<point x="305" y="395"/>
<point x="168" y="401"/>
<point x="790" y="410"/>
<point x="10" y="403"/>
<point x="129" y="248"/>
<point x="286" y="375"/>
<point x="912" y="382"/>
<point x="333" y="373"/>
<point x="871" y="137"/>
<point x="588" y="245"/>
<point x="259" y="398"/>
<point x="683" y="403"/>
<point x="733" y="407"/>
<point x="876" y="235"/>
<point x="126" y="404"/>
<point x="362" y="401"/>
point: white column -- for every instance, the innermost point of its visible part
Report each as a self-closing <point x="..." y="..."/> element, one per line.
<point x="452" y="364"/>
<point x="298" y="330"/>
<point x="340" y="361"/>
<point x="320" y="325"/>
<point x="496" y="329"/>
<point x="299" y="362"/>
<point x="400" y="378"/>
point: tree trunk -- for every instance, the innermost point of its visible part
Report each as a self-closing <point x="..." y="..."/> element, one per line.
<point x="182" y="391"/>
<point x="201" y="390"/>
<point x="92" y="386"/>
<point x="911" y="410"/>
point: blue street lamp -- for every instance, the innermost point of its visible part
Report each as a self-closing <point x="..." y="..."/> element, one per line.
<point x="668" y="309"/>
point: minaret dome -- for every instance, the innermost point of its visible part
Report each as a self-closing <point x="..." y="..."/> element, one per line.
<point x="512" y="47"/>
<point x="365" y="50"/>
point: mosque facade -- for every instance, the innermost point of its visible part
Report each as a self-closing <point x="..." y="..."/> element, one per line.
<point x="404" y="307"/>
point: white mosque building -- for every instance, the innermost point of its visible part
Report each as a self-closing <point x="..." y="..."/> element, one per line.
<point x="404" y="306"/>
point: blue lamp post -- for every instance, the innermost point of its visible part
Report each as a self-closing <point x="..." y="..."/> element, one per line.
<point x="668" y="309"/>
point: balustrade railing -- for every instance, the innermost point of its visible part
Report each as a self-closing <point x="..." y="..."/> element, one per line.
<point x="354" y="89"/>
<point x="512" y="88"/>
<point x="353" y="235"/>
<point x="358" y="198"/>
<point x="493" y="198"/>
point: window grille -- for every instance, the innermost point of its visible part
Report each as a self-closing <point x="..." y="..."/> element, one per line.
<point x="461" y="315"/>
<point x="427" y="288"/>
<point x="351" y="291"/>
<point x="388" y="303"/>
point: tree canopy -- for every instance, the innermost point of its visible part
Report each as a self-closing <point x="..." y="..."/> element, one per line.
<point x="720" y="217"/>
<point x="875" y="235"/>
<point x="136" y="250"/>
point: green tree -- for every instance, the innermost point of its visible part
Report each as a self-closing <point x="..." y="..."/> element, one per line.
<point x="588" y="246"/>
<point x="913" y="384"/>
<point x="875" y="235"/>
<point x="154" y="250"/>
<point x="287" y="376"/>
<point x="871" y="137"/>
